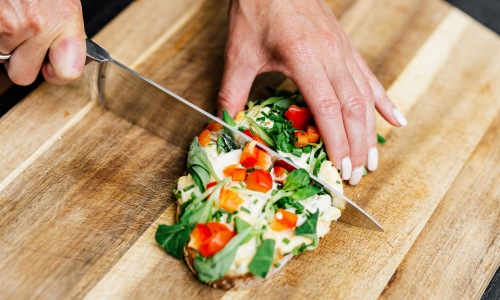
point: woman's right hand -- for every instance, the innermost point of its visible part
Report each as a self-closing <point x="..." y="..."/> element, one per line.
<point x="42" y="34"/>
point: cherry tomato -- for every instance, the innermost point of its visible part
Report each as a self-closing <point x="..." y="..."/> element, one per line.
<point x="300" y="116"/>
<point x="260" y="181"/>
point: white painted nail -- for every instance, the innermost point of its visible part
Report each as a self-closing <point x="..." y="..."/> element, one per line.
<point x="356" y="175"/>
<point x="399" y="117"/>
<point x="346" y="168"/>
<point x="372" y="159"/>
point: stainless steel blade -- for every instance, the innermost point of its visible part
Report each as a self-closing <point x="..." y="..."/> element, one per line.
<point x="149" y="105"/>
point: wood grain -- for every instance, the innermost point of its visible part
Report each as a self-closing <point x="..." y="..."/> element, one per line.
<point x="81" y="196"/>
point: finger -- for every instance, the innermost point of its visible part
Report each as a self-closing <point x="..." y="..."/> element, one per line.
<point x="382" y="102"/>
<point x="367" y="93"/>
<point x="354" y="116"/>
<point x="236" y="83"/>
<point x="315" y="86"/>
<point x="13" y="29"/>
<point x="25" y="63"/>
<point x="67" y="55"/>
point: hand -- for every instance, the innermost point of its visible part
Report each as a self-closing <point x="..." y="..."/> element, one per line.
<point x="29" y="30"/>
<point x="303" y="40"/>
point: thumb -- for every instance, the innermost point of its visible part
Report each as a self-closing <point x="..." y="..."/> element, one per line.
<point x="66" y="58"/>
<point x="236" y="82"/>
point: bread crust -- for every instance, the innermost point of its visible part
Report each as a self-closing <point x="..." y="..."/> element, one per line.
<point x="229" y="282"/>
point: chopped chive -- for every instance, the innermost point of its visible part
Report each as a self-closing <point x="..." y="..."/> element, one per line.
<point x="255" y="201"/>
<point x="188" y="188"/>
<point x="245" y="209"/>
<point x="229" y="217"/>
<point x="260" y="119"/>
<point x="381" y="139"/>
<point x="364" y="172"/>
<point x="242" y="184"/>
<point x="338" y="182"/>
<point x="286" y="241"/>
<point x="273" y="192"/>
<point x="277" y="265"/>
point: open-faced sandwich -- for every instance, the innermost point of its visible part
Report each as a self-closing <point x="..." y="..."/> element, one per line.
<point x="240" y="217"/>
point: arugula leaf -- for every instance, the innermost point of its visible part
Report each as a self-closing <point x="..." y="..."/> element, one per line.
<point x="215" y="267"/>
<point x="270" y="101"/>
<point x="227" y="118"/>
<point x="198" y="156"/>
<point x="296" y="179"/>
<point x="262" y="133"/>
<point x="200" y="176"/>
<point x="225" y="143"/>
<point x="173" y="238"/>
<point x="305" y="192"/>
<point x="261" y="262"/>
<point x="240" y="224"/>
<point x="284" y="103"/>
<point x="381" y="139"/>
<point x="308" y="229"/>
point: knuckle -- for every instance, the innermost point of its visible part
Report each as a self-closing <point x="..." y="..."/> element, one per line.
<point x="365" y="89"/>
<point x="355" y="108"/>
<point x="328" y="106"/>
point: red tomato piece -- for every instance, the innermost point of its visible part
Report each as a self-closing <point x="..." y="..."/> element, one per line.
<point x="312" y="134"/>
<point x="286" y="220"/>
<point x="260" y="181"/>
<point x="214" y="126"/>
<point x="279" y="174"/>
<point x="249" y="155"/>
<point x="199" y="235"/>
<point x="221" y="235"/>
<point x="255" y="137"/>
<point x="300" y="116"/>
<point x="204" y="137"/>
<point x="302" y="139"/>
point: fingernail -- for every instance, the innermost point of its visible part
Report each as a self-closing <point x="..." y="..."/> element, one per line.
<point x="372" y="159"/>
<point x="356" y="175"/>
<point x="399" y="117"/>
<point x="346" y="168"/>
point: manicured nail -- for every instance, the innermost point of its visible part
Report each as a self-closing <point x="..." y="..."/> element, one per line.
<point x="372" y="159"/>
<point x="399" y="117"/>
<point x="346" y="168"/>
<point x="356" y="175"/>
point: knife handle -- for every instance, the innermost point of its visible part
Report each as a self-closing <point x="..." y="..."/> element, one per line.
<point x="96" y="52"/>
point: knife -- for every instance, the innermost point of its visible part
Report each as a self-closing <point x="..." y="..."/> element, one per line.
<point x="153" y="107"/>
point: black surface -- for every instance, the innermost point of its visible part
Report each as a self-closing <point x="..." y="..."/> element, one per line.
<point x="98" y="13"/>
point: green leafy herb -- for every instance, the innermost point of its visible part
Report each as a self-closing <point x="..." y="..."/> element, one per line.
<point x="305" y="192"/>
<point x="188" y="188"/>
<point x="284" y="103"/>
<point x="245" y="209"/>
<point x="287" y="202"/>
<point x="296" y="179"/>
<point x="173" y="238"/>
<point x="308" y="229"/>
<point x="227" y="118"/>
<point x="241" y="225"/>
<point x="266" y="137"/>
<point x="200" y="175"/>
<point x="270" y="101"/>
<point x="225" y="143"/>
<point x="380" y="139"/>
<point x="215" y="267"/>
<point x="198" y="160"/>
<point x="263" y="259"/>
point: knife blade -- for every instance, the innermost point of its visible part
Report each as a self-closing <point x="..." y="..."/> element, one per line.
<point x="155" y="108"/>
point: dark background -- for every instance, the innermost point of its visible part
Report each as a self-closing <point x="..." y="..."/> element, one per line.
<point x="97" y="13"/>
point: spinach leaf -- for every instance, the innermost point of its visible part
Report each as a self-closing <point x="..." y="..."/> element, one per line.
<point x="296" y="179"/>
<point x="173" y="238"/>
<point x="225" y="143"/>
<point x="215" y="267"/>
<point x="287" y="202"/>
<point x="305" y="192"/>
<point x="308" y="229"/>
<point x="263" y="259"/>
<point x="262" y="133"/>
<point x="227" y="118"/>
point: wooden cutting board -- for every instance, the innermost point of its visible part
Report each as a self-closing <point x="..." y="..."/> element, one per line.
<point x="83" y="191"/>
